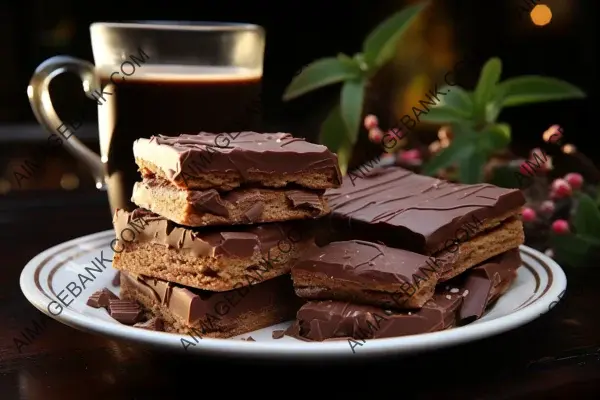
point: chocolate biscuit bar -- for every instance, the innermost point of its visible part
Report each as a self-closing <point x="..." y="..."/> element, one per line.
<point x="241" y="206"/>
<point x="208" y="259"/>
<point x="456" y="302"/>
<point x="329" y="319"/>
<point x="201" y="313"/>
<point x="366" y="273"/>
<point x="466" y="224"/>
<point x="226" y="161"/>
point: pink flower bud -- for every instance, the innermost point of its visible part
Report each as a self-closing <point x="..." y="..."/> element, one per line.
<point x="575" y="180"/>
<point x="375" y="135"/>
<point x="561" y="188"/>
<point x="560" y="227"/>
<point x="371" y="122"/>
<point x="528" y="214"/>
<point x="547" y="207"/>
<point x="410" y="155"/>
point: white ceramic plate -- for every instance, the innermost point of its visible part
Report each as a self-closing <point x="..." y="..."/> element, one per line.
<point x="536" y="290"/>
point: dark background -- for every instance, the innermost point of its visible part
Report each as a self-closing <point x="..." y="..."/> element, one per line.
<point x="298" y="33"/>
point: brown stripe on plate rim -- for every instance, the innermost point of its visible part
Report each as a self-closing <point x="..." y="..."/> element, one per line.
<point x="45" y="261"/>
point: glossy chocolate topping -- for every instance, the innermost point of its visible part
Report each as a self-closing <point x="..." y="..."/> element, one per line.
<point x="269" y="153"/>
<point x="484" y="283"/>
<point x="416" y="212"/>
<point x="192" y="304"/>
<point x="320" y="320"/>
<point x="360" y="261"/>
<point x="144" y="226"/>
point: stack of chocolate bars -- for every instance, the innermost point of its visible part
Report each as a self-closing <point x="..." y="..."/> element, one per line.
<point x="223" y="218"/>
<point x="407" y="254"/>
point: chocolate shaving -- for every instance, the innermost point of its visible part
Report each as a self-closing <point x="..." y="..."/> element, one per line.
<point x="125" y="311"/>
<point x="304" y="199"/>
<point x="153" y="324"/>
<point x="249" y="339"/>
<point x="209" y="202"/>
<point x="101" y="298"/>
<point x="253" y="213"/>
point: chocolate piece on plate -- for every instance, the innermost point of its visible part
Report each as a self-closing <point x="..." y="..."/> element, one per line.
<point x="125" y="311"/>
<point x="330" y="319"/>
<point x="101" y="298"/>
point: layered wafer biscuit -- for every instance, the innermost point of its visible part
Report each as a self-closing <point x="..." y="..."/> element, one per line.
<point x="229" y="160"/>
<point x="366" y="273"/>
<point x="209" y="259"/>
<point x="197" y="208"/>
<point x="200" y="313"/>
<point x="465" y="224"/>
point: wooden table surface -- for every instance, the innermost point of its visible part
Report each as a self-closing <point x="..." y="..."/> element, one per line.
<point x="556" y="356"/>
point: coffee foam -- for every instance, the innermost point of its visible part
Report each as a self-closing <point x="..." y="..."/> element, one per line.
<point x="181" y="73"/>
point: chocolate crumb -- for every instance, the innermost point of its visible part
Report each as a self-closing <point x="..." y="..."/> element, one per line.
<point x="278" y="334"/>
<point x="101" y="298"/>
<point x="250" y="339"/>
<point x="153" y="324"/>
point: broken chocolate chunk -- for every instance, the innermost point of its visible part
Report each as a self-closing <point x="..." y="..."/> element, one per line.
<point x="101" y="298"/>
<point x="278" y="334"/>
<point x="125" y="311"/>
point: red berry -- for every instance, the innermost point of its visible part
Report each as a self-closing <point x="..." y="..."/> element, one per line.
<point x="575" y="180"/>
<point x="560" y="227"/>
<point x="547" y="207"/>
<point x="375" y="135"/>
<point x="528" y="214"/>
<point x="411" y="155"/>
<point x="561" y="188"/>
<point x="371" y="122"/>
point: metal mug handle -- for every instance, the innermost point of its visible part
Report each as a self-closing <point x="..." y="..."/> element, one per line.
<point x="39" y="99"/>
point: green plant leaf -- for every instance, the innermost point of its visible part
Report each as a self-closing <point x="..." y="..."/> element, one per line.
<point x="458" y="99"/>
<point x="323" y="72"/>
<point x="495" y="137"/>
<point x="587" y="217"/>
<point x="461" y="147"/>
<point x="333" y="131"/>
<point x="574" y="249"/>
<point x="505" y="176"/>
<point x="441" y="115"/>
<point x="470" y="166"/>
<point x="379" y="46"/>
<point x="351" y="102"/>
<point x="484" y="91"/>
<point x="536" y="89"/>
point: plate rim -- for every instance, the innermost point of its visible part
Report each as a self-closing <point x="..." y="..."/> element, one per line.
<point x="298" y="350"/>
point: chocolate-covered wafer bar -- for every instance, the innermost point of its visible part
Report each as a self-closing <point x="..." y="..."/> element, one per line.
<point x="330" y="319"/>
<point x="227" y="160"/>
<point x="482" y="285"/>
<point x="464" y="223"/>
<point x="196" y="208"/>
<point x="209" y="314"/>
<point x="366" y="273"/>
<point x="208" y="259"/>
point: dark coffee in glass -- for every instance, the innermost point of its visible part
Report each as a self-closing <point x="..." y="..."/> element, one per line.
<point x="151" y="79"/>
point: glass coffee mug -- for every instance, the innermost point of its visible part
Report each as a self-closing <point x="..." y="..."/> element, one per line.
<point x="155" y="78"/>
